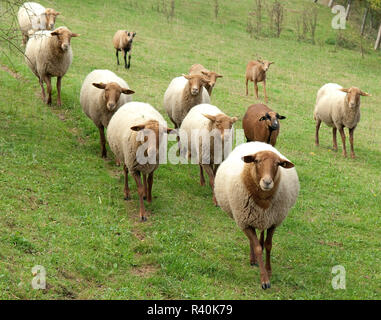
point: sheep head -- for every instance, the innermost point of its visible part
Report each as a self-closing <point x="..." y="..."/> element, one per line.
<point x="196" y="82"/>
<point x="265" y="64"/>
<point x="64" y="36"/>
<point x="221" y="122"/>
<point x="153" y="134"/>
<point x="130" y="36"/>
<point x="264" y="166"/>
<point x="112" y="92"/>
<point x="353" y="96"/>
<point x="50" y="15"/>
<point x="271" y="119"/>
<point x="212" y="77"/>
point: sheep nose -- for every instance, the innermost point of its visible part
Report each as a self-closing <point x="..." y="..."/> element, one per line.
<point x="51" y="26"/>
<point x="274" y="125"/>
<point x="267" y="183"/>
<point x="110" y="106"/>
<point x="194" y="91"/>
<point x="65" y="47"/>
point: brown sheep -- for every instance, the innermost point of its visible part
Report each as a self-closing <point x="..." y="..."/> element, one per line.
<point x="256" y="72"/>
<point x="211" y="76"/>
<point x="260" y="123"/>
<point x="122" y="41"/>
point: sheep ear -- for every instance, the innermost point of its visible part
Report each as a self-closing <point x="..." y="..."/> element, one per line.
<point x="57" y="13"/>
<point x="219" y="76"/>
<point x="134" y="34"/>
<point x="205" y="73"/>
<point x="54" y="33"/>
<point x="211" y="118"/>
<point x="280" y="117"/>
<point x="248" y="159"/>
<point x="127" y="91"/>
<point x="75" y="35"/>
<point x="344" y="90"/>
<point x="138" y="128"/>
<point x="99" y="85"/>
<point x="365" y="94"/>
<point x="286" y="164"/>
<point x="272" y="62"/>
<point x="234" y="119"/>
<point x="186" y="76"/>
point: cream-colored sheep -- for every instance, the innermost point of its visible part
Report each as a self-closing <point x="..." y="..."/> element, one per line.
<point x="257" y="186"/>
<point x="102" y="94"/>
<point x="136" y="134"/>
<point x="33" y="17"/>
<point x="49" y="54"/>
<point x="182" y="94"/>
<point x="206" y="133"/>
<point x="338" y="108"/>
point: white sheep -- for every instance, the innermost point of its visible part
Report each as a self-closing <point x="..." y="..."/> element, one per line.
<point x="136" y="134"/>
<point x="33" y="17"/>
<point x="206" y="134"/>
<point x="102" y="94"/>
<point x="49" y="54"/>
<point x="257" y="186"/>
<point x="338" y="108"/>
<point x="182" y="94"/>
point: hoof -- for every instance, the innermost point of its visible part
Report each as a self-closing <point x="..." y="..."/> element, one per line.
<point x="143" y="219"/>
<point x="266" y="285"/>
<point x="254" y="264"/>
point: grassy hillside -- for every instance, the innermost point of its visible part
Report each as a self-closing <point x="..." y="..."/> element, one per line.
<point x="62" y="207"/>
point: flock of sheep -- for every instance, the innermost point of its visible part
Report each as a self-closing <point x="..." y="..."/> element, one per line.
<point x="255" y="184"/>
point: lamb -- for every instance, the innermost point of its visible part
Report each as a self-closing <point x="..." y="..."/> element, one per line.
<point x="214" y="132"/>
<point x="102" y="94"/>
<point x="49" y="54"/>
<point x="210" y="75"/>
<point x="260" y="123"/>
<point x="182" y="94"/>
<point x="338" y="107"/>
<point x="33" y="17"/>
<point x="122" y="41"/>
<point x="256" y="72"/>
<point x="257" y="186"/>
<point x="132" y="122"/>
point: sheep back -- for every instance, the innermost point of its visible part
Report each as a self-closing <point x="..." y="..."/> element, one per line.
<point x="233" y="197"/>
<point x="123" y="141"/>
<point x="91" y="98"/>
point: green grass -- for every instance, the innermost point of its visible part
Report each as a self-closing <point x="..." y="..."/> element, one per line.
<point x="62" y="207"/>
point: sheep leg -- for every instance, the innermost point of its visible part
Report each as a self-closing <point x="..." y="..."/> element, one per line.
<point x="126" y="187"/>
<point x="103" y="141"/>
<point x="150" y="183"/>
<point x="202" y="179"/>
<point x="42" y="89"/>
<point x="268" y="247"/>
<point x="318" y="123"/>
<point x="342" y="133"/>
<point x="59" y="79"/>
<point x="264" y="91"/>
<point x="253" y="259"/>
<point x="129" y="60"/>
<point x="252" y="236"/>
<point x="117" y="57"/>
<point x="48" y="82"/>
<point x="334" y="131"/>
<point x="145" y="186"/>
<point x="247" y="88"/>
<point x="256" y="89"/>
<point x="125" y="60"/>
<point x="140" y="186"/>
<point x="25" y="39"/>
<point x="351" y="131"/>
<point x="209" y="170"/>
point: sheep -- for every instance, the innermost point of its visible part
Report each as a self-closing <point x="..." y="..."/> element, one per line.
<point x="256" y="72"/>
<point x="257" y="186"/>
<point x="338" y="107"/>
<point x="260" y="123"/>
<point x="34" y="17"/>
<point x="132" y="122"/>
<point x="122" y="41"/>
<point x="102" y="94"/>
<point x="210" y="122"/>
<point x="211" y="76"/>
<point x="182" y="94"/>
<point x="49" y="54"/>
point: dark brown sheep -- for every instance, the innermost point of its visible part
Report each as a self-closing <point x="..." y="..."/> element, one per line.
<point x="260" y="123"/>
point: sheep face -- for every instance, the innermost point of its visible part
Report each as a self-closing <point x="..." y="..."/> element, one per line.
<point x="153" y="136"/>
<point x="221" y="122"/>
<point x="272" y="120"/>
<point x="50" y="15"/>
<point x="353" y="96"/>
<point x="265" y="64"/>
<point x="196" y="82"/>
<point x="212" y="77"/>
<point x="64" y="36"/>
<point x="130" y="36"/>
<point x="264" y="168"/>
<point x="112" y="92"/>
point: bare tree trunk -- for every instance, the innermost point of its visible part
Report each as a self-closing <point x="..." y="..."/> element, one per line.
<point x="330" y="3"/>
<point x="364" y="20"/>
<point x="377" y="44"/>
<point x="348" y="9"/>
